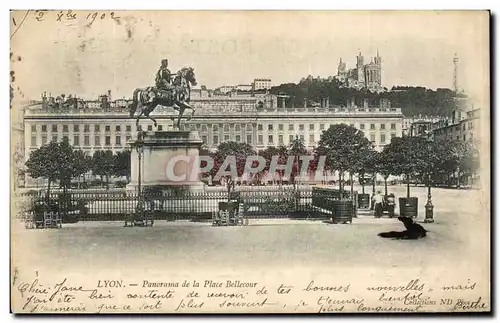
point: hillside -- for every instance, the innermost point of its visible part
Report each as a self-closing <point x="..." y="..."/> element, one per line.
<point x="412" y="100"/>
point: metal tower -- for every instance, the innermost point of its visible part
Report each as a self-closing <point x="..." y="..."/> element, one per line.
<point x="455" y="73"/>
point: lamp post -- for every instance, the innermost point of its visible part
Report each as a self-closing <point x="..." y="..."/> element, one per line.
<point x="429" y="208"/>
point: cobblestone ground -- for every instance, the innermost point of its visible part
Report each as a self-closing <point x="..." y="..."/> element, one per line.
<point x="461" y="229"/>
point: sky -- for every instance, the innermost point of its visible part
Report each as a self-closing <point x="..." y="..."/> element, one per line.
<point x="231" y="47"/>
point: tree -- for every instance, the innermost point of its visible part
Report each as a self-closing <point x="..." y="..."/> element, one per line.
<point x="103" y="164"/>
<point x="282" y="154"/>
<point x="231" y="149"/>
<point x="365" y="164"/>
<point x="341" y="144"/>
<point x="385" y="165"/>
<point x="408" y="157"/>
<point x="42" y="163"/>
<point x="297" y="148"/>
<point x="122" y="164"/>
<point x="81" y="163"/>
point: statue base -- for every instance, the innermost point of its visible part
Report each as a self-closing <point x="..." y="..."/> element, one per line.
<point x="168" y="162"/>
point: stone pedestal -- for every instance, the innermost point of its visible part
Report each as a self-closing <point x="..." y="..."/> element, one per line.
<point x="169" y="161"/>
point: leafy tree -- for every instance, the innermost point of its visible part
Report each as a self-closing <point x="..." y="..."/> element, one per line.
<point x="385" y="165"/>
<point x="297" y="148"/>
<point x="81" y="163"/>
<point x="238" y="151"/>
<point x="408" y="157"/>
<point x="281" y="152"/>
<point x="103" y="164"/>
<point x="42" y="163"/>
<point x="365" y="164"/>
<point x="341" y="144"/>
<point x="122" y="164"/>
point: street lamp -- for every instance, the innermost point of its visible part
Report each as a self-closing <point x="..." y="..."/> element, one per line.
<point x="429" y="208"/>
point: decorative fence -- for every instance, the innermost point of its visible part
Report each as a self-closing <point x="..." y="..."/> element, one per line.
<point x="266" y="202"/>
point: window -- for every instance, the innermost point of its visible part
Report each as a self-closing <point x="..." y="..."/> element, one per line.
<point x="393" y="135"/>
<point x="393" y="126"/>
<point x="76" y="128"/>
<point x="464" y="137"/>
<point x="33" y="128"/>
<point x="382" y="138"/>
<point x="237" y="138"/>
<point x="280" y="139"/>
<point x="118" y="128"/>
<point x="216" y="140"/>
<point x="270" y="139"/>
<point x="97" y="128"/>
<point x="65" y="128"/>
<point x="249" y="127"/>
<point x="107" y="141"/>
<point x="76" y="140"/>
<point x="44" y="140"/>
<point x="237" y="127"/>
<point x="249" y="139"/>
<point x="150" y="128"/>
<point x="65" y="138"/>
<point x="107" y="128"/>
<point x="226" y="138"/>
<point x="128" y="128"/>
<point x="259" y="127"/>
<point x="54" y="138"/>
<point x="311" y="139"/>
<point x="97" y="141"/>
<point x="44" y="128"/>
<point x="160" y="128"/>
<point x="118" y="140"/>
<point x="382" y="126"/>
<point x="280" y="127"/>
<point x="290" y="127"/>
<point x="362" y="126"/>
<point x="86" y="128"/>
<point x="204" y="138"/>
<point x="301" y="127"/>
<point x="372" y="126"/>
<point x="128" y="138"/>
<point x="270" y="127"/>
<point x="215" y="128"/>
<point x="33" y="140"/>
<point x="321" y="126"/>
<point x="203" y="127"/>
<point x="311" y="126"/>
<point x="372" y="138"/>
<point x="226" y="128"/>
<point x="290" y="139"/>
<point x="301" y="137"/>
<point x="261" y="140"/>
<point x="54" y="128"/>
<point x="86" y="141"/>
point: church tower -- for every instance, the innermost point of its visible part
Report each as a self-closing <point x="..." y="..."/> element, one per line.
<point x="378" y="59"/>
<point x="360" y="68"/>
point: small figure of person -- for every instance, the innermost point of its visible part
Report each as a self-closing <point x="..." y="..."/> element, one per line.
<point x="391" y="203"/>
<point x="378" y="201"/>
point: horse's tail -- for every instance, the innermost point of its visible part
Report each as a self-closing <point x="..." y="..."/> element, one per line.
<point x="135" y="102"/>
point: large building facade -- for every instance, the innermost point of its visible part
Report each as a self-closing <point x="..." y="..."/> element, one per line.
<point x="259" y="121"/>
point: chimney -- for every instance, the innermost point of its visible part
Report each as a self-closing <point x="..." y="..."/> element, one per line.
<point x="365" y="103"/>
<point x="305" y="103"/>
<point x="327" y="104"/>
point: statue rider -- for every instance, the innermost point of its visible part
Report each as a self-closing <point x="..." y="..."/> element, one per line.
<point x="163" y="80"/>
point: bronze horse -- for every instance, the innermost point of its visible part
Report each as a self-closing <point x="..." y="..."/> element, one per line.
<point x="145" y="100"/>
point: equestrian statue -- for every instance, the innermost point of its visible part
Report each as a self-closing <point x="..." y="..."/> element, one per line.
<point x="170" y="90"/>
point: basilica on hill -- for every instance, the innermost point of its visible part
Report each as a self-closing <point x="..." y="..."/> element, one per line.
<point x="364" y="76"/>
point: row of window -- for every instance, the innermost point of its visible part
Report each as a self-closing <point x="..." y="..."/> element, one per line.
<point x="193" y="127"/>
<point x="86" y="128"/>
<point x="291" y="138"/>
<point x="86" y="140"/>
